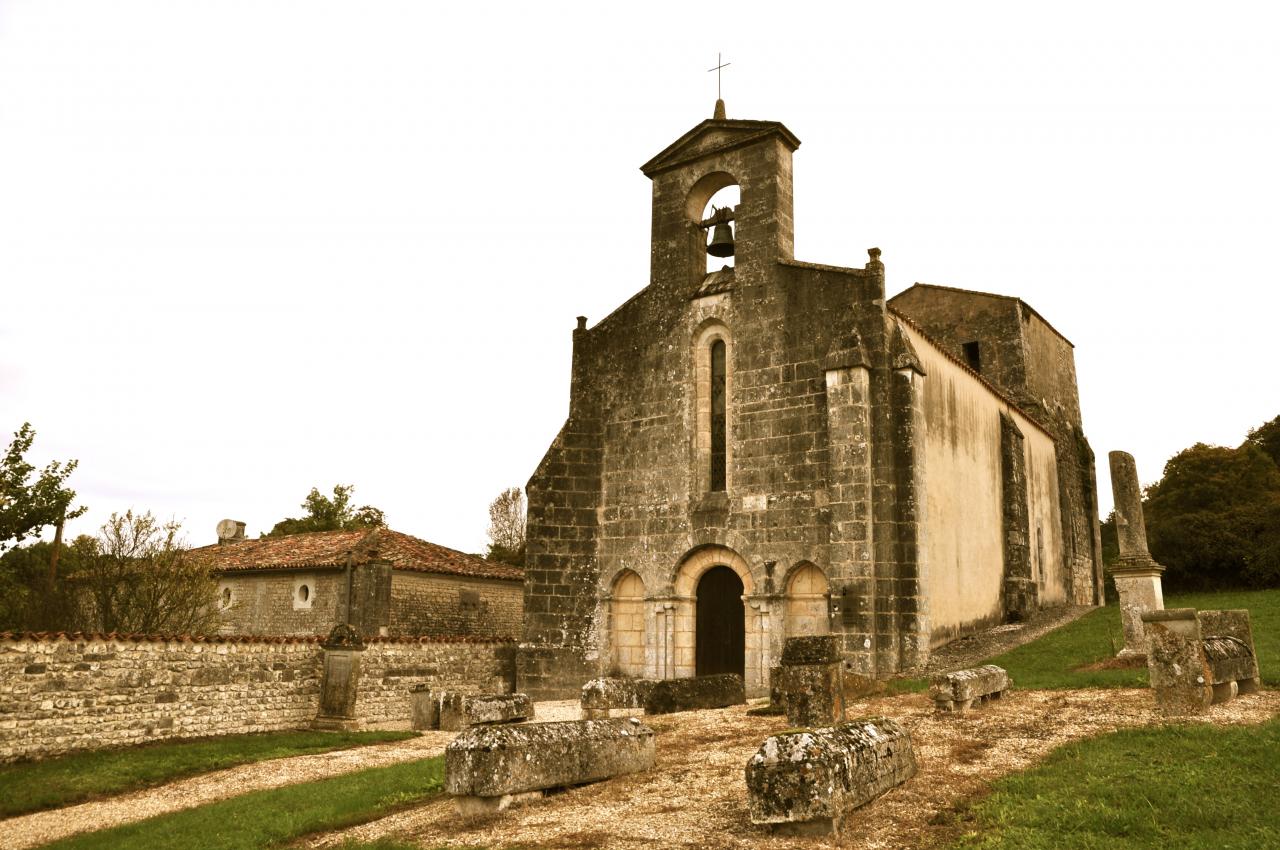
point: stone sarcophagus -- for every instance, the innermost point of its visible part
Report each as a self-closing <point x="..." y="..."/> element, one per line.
<point x="962" y="689"/>
<point x="809" y="682"/>
<point x="600" y="696"/>
<point x="1199" y="658"/>
<point x="452" y="712"/>
<point x="489" y="767"/>
<point x="806" y="783"/>
<point x="694" y="692"/>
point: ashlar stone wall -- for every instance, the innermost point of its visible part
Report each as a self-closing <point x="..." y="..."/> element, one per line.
<point x="64" y="693"/>
<point x="431" y="604"/>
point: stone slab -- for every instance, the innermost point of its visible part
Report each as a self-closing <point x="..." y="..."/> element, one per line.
<point x="1179" y="673"/>
<point x="497" y="761"/>
<point x="961" y="689"/>
<point x="807" y="782"/>
<point x="693" y="693"/>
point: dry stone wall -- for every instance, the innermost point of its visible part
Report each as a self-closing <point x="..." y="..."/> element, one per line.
<point x="62" y="693"/>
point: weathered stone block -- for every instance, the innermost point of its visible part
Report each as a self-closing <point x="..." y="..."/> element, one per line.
<point x="1229" y="649"/>
<point x="601" y="695"/>
<point x="424" y="708"/>
<point x="812" y="694"/>
<point x="1180" y="675"/>
<point x="461" y="711"/>
<point x="496" y="762"/>
<point x="959" y="690"/>
<point x="807" y="782"/>
<point x="811" y="649"/>
<point x="696" y="692"/>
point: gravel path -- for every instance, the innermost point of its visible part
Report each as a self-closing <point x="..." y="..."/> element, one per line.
<point x="695" y="796"/>
<point x="44" y="827"/>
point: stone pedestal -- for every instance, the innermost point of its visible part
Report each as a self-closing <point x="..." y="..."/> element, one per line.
<point x="339" y="681"/>
<point x="1139" y="588"/>
<point x="810" y="681"/>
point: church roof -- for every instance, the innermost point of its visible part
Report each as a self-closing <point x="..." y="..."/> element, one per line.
<point x="338" y="548"/>
<point x="716" y="135"/>
<point x="995" y="295"/>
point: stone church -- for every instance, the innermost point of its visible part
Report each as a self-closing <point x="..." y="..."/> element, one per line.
<point x="774" y="448"/>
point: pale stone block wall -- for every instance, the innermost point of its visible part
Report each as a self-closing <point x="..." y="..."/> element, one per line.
<point x="60" y="694"/>
<point x="433" y="604"/>
<point x="270" y="602"/>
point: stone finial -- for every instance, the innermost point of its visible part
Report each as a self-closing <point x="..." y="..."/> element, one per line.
<point x="1131" y="529"/>
<point x="582" y="323"/>
<point x="874" y="254"/>
<point x="719" y="113"/>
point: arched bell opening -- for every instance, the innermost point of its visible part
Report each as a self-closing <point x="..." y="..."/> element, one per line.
<point x="721" y="229"/>
<point x="720" y="623"/>
<point x="710" y="205"/>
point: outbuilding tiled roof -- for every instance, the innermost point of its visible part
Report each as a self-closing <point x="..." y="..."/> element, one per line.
<point x="338" y="548"/>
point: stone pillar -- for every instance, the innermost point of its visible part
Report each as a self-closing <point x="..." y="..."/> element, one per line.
<point x="340" y="679"/>
<point x="1021" y="595"/>
<point x="1136" y="575"/>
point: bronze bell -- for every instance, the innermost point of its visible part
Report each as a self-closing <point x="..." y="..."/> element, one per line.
<point x="721" y="241"/>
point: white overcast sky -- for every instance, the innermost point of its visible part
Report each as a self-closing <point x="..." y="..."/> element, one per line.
<point x="247" y="248"/>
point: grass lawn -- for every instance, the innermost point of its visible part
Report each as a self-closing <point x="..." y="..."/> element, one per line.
<point x="1168" y="787"/>
<point x="1052" y="661"/>
<point x="30" y="786"/>
<point x="276" y="816"/>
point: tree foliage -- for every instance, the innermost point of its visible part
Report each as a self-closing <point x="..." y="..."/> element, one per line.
<point x="33" y="600"/>
<point x="326" y="514"/>
<point x="507" y="527"/>
<point x="1213" y="520"/>
<point x="1267" y="438"/>
<point x="141" y="578"/>
<point x="27" y="506"/>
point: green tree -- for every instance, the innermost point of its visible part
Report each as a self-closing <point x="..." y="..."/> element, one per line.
<point x="28" y="600"/>
<point x="1213" y="520"/>
<point x="325" y="514"/>
<point x="507" y="527"/>
<point x="28" y="506"/>
<point x="140" y="578"/>
<point x="1267" y="438"/>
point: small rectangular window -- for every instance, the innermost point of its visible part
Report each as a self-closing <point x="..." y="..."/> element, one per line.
<point x="972" y="356"/>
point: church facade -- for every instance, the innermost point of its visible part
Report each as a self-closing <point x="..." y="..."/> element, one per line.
<point x="775" y="449"/>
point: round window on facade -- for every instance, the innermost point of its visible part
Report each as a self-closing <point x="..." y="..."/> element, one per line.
<point x="304" y="593"/>
<point x="226" y="597"/>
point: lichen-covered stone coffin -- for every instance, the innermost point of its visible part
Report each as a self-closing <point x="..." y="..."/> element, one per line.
<point x="959" y="690"/>
<point x="695" y="692"/>
<point x="459" y="711"/>
<point x="494" y="761"/>
<point x="601" y="695"/>
<point x="815" y="777"/>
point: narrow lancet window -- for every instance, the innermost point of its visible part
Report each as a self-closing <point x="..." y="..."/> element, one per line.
<point x="718" y="457"/>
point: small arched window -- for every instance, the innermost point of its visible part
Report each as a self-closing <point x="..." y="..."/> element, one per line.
<point x="719" y="457"/>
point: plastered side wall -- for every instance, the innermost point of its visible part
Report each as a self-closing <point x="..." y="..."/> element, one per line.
<point x="265" y="603"/>
<point x="61" y="694"/>
<point x="964" y="536"/>
<point x="430" y="604"/>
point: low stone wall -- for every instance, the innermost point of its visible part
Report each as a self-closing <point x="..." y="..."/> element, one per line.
<point x="60" y="693"/>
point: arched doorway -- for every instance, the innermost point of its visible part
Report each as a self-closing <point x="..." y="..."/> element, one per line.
<point x="720" y="623"/>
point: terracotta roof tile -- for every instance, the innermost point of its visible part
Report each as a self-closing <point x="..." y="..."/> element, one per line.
<point x="335" y="548"/>
<point x="184" y="638"/>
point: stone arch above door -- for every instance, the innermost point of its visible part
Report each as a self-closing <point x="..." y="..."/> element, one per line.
<point x="697" y="562"/>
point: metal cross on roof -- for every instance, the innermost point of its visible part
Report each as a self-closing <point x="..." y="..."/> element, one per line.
<point x="719" y="64"/>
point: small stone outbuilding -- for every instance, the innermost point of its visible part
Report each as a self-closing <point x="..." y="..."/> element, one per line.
<point x="394" y="583"/>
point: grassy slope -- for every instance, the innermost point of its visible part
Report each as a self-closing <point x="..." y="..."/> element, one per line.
<point x="1051" y="661"/>
<point x="277" y="816"/>
<point x="1168" y="787"/>
<point x="73" y="778"/>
